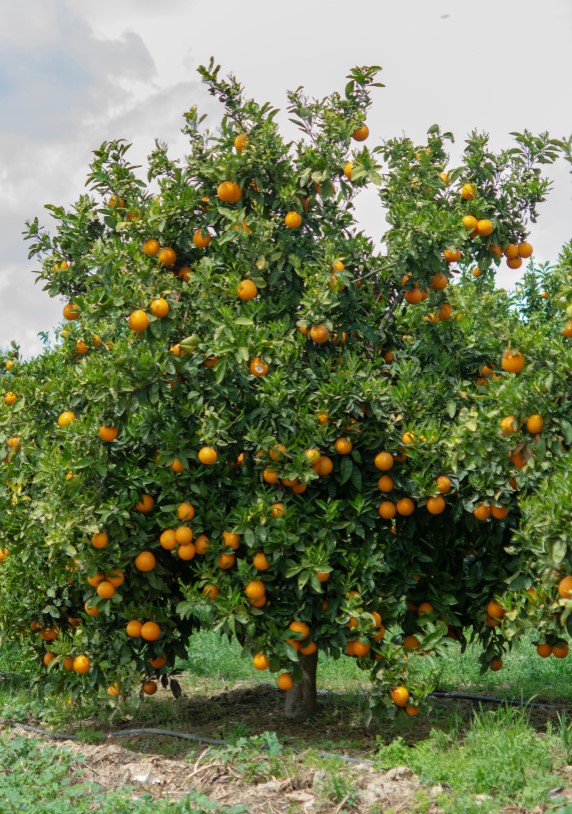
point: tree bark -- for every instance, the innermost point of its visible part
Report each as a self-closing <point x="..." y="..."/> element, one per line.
<point x="302" y="699"/>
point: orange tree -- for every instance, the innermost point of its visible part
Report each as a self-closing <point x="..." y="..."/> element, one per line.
<point x="256" y="420"/>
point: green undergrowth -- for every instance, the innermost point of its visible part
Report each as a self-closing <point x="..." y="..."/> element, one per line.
<point x="40" y="779"/>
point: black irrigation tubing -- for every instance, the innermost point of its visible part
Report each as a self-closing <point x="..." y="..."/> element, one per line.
<point x="490" y="699"/>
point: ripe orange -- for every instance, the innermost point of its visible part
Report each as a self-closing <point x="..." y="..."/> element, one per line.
<point x="185" y="511"/>
<point x="113" y="689"/>
<point x="258" y="367"/>
<point x="201" y="239"/>
<point x="300" y="628"/>
<point x="81" y="664"/>
<point x="91" y="611"/>
<point x="348" y="170"/>
<point x="260" y="562"/>
<point x="411" y="643"/>
<point x="511" y="251"/>
<point x="312" y="456"/>
<point x="565" y="587"/>
<point x="240" y="142"/>
<point x="71" y="311"/>
<point x="159" y="307"/>
<point x="229" y="192"/>
<point x="512" y="361"/>
<point x="186" y="552"/>
<point x="144" y="504"/>
<point x="383" y="461"/>
<point x="260" y="662"/>
<point x="202" y="544"/>
<point x="246" y="290"/>
<point x="343" y="446"/>
<point x="360" y="648"/>
<point x="277" y="510"/>
<point x="184" y="273"/>
<point x="99" y="539"/>
<point x="150" y="247"/>
<point x="258" y="603"/>
<point x="509" y="425"/>
<point x="138" y="321"/>
<point x="116" y="577"/>
<point x="276" y="452"/>
<point x="444" y="176"/>
<point x="485" y="227"/>
<point x="167" y="540"/>
<point x="323" y="418"/>
<point x="183" y="535"/>
<point x="145" y="561"/>
<point x="81" y="348"/>
<point x="439" y="281"/>
<point x="48" y="658"/>
<point x="158" y="661"/>
<point x="408" y="438"/>
<point x="425" y="607"/>
<point x="211" y="592"/>
<point x="324" y="466"/>
<point x="443" y="484"/>
<point x="108" y="434"/>
<point x="285" y="681"/>
<point x="468" y="192"/>
<point x="361" y="133"/>
<point x="525" y="250"/>
<point x="496" y="664"/>
<point x="560" y="649"/>
<point x="414" y="295"/>
<point x="167" y="256"/>
<point x="208" y="456"/>
<point x="499" y="512"/>
<point x="95" y="579"/>
<point x="319" y="334"/>
<point x="476" y="272"/>
<point x="534" y="423"/>
<point x="400" y="696"/>
<point x="385" y="483"/>
<point x="150" y="687"/>
<point x="226" y="561"/>
<point x="445" y="311"/>
<point x="436" y="505"/>
<point x="323" y="576"/>
<point x="231" y="539"/>
<point x="105" y="589"/>
<point x="177" y="466"/>
<point x="482" y="511"/>
<point x="293" y="220"/>
<point x="470" y="223"/>
<point x="514" y="263"/>
<point x="64" y="419"/>
<point x="150" y="631"/>
<point x="387" y="510"/>
<point x="405" y="506"/>
<point x="255" y="589"/>
<point x="67" y="663"/>
<point x="544" y="650"/>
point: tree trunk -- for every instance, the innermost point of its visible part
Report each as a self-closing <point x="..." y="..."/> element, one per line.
<point x="302" y="700"/>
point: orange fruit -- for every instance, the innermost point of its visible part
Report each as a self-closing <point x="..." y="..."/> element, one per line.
<point x="144" y="504"/>
<point x="246" y="290"/>
<point x="108" y="434"/>
<point x="439" y="281"/>
<point x="229" y="192"/>
<point x="343" y="446"/>
<point x="113" y="689"/>
<point x="436" y="505"/>
<point x="293" y="220"/>
<point x="323" y="418"/>
<point x="184" y="274"/>
<point x="512" y="362"/>
<point x="226" y="561"/>
<point x="495" y="610"/>
<point x="168" y="540"/>
<point x="258" y="603"/>
<point x="560" y="649"/>
<point x="48" y="658"/>
<point x="177" y="466"/>
<point x="360" y="648"/>
<point x="99" y="539"/>
<point x="319" y="334"/>
<point x="81" y="664"/>
<point x="383" y="461"/>
<point x="452" y="255"/>
<point x="361" y="133"/>
<point x="400" y="696"/>
<point x="138" y="321"/>
<point x="260" y="662"/>
<point x="67" y="663"/>
<point x="105" y="589"/>
<point x="525" y="250"/>
<point x="405" y="506"/>
<point x="534" y="423"/>
<point x="258" y="367"/>
<point x="64" y="419"/>
<point x="387" y="510"/>
<point x="201" y="239"/>
<point x="255" y="589"/>
<point x="208" y="456"/>
<point x="468" y="192"/>
<point x="260" y="562"/>
<point x="408" y="438"/>
<point x="150" y="687"/>
<point x="95" y="579"/>
<point x="285" y="681"/>
<point x="412" y="710"/>
<point x="150" y="631"/>
<point x="211" y="591"/>
<point x="485" y="227"/>
<point x="81" y="348"/>
<point x="476" y="272"/>
<point x="348" y="170"/>
<point x="496" y="664"/>
<point x="312" y="456"/>
<point x="183" y="535"/>
<point x="388" y="356"/>
<point x="514" y="263"/>
<point x="425" y="607"/>
<point x="145" y="561"/>
<point x="499" y="512"/>
<point x="565" y="587"/>
<point x="159" y="307"/>
<point x="91" y="611"/>
<point x="482" y="511"/>
<point x="411" y="643"/>
<point x="167" y="256"/>
<point x="544" y="650"/>
<point x="323" y="576"/>
<point x="508" y="425"/>
<point x="470" y="223"/>
<point x="324" y="466"/>
<point x="71" y="311"/>
<point x="445" y="311"/>
<point x="186" y="552"/>
<point x="511" y="251"/>
<point x="277" y="510"/>
<point x="185" y="511"/>
<point x="240" y="142"/>
<point x="299" y="627"/>
<point x="231" y="539"/>
<point x="443" y="484"/>
<point x="202" y="544"/>
<point x="385" y="483"/>
<point x="158" y="661"/>
<point x="150" y="247"/>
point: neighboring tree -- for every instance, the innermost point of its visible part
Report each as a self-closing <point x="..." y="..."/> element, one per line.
<point x="255" y="420"/>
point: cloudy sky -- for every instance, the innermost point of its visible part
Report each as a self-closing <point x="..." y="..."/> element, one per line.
<point x="73" y="74"/>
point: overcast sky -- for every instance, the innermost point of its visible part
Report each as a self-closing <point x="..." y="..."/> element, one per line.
<point x="74" y="74"/>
